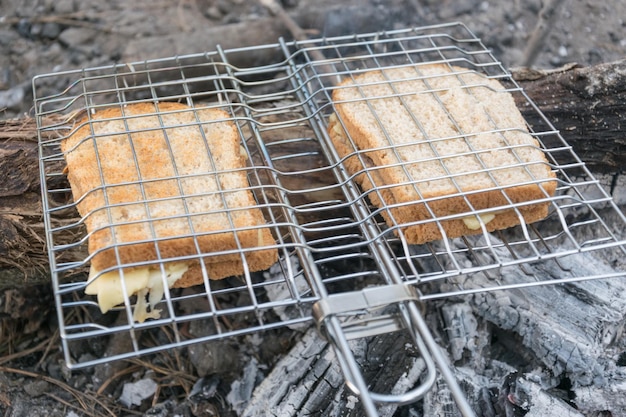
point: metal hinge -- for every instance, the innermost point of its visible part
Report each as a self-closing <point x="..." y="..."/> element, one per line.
<point x="356" y="305"/>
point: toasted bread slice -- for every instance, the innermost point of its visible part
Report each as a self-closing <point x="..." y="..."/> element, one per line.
<point x="433" y="144"/>
<point x="160" y="182"/>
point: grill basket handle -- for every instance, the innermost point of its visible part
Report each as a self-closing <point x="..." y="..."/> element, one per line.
<point x="328" y="312"/>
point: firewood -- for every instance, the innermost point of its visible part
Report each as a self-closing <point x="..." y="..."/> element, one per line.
<point x="568" y="329"/>
<point x="308" y="380"/>
<point x="587" y="105"/>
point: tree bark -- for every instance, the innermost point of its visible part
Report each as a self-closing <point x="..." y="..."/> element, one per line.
<point x="23" y="258"/>
<point x="587" y="105"/>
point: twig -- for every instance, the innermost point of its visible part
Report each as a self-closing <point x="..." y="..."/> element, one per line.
<point x="166" y="371"/>
<point x="105" y="384"/>
<point x="65" y="402"/>
<point x="78" y="395"/>
<point x="277" y="10"/>
<point x="26" y="352"/>
<point x="51" y="343"/>
<point x="543" y="27"/>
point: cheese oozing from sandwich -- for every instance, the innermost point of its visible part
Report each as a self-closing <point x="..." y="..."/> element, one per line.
<point x="109" y="287"/>
<point x="159" y="182"/>
<point x="473" y="223"/>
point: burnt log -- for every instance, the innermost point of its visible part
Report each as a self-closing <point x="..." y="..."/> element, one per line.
<point x="513" y="351"/>
<point x="309" y="381"/>
<point x="23" y="258"/>
<point x="571" y="331"/>
<point x="586" y="104"/>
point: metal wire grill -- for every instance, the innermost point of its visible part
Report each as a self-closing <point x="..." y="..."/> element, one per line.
<point x="331" y="240"/>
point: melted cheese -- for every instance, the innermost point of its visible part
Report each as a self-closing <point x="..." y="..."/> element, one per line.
<point x="336" y="126"/>
<point x="145" y="282"/>
<point x="473" y="223"/>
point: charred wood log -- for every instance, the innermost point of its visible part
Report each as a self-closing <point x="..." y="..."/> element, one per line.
<point x="587" y="105"/>
<point x="539" y="350"/>
<point x="572" y="331"/>
<point x="23" y="259"/>
<point x="308" y="380"/>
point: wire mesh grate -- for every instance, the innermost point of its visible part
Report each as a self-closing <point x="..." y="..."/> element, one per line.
<point x="329" y="237"/>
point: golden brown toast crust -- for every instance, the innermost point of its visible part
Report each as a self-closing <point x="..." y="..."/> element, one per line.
<point x="175" y="186"/>
<point x="432" y="146"/>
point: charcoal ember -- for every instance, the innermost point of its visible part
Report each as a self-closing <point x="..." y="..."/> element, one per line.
<point x="134" y="393"/>
<point x="241" y="389"/>
<point x="170" y="407"/>
<point x="209" y="358"/>
<point x="37" y="388"/>
<point x="525" y="397"/>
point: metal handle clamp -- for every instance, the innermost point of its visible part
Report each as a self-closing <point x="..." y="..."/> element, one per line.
<point x="327" y="313"/>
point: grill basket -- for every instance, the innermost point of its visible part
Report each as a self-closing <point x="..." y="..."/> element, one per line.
<point x="339" y="263"/>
